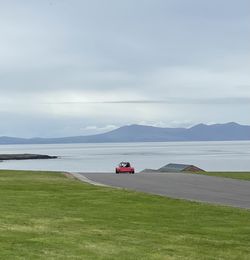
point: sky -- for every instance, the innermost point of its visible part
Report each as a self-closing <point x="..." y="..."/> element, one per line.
<point x="78" y="67"/>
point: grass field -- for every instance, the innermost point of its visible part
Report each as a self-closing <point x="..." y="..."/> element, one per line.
<point x="49" y="216"/>
<point x="232" y="175"/>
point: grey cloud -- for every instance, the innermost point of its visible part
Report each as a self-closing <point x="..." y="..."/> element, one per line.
<point x="180" y="101"/>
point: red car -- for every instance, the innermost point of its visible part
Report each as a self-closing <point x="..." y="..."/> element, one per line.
<point x="124" y="167"/>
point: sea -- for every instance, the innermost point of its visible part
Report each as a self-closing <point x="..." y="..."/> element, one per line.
<point x="210" y="156"/>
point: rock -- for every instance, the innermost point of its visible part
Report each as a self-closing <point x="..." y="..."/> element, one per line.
<point x="4" y="157"/>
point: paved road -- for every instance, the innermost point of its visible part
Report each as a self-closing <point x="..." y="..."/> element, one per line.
<point x="181" y="185"/>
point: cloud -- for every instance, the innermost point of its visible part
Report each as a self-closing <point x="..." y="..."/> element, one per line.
<point x="180" y="101"/>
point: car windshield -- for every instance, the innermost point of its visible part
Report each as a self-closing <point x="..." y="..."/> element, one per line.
<point x="124" y="164"/>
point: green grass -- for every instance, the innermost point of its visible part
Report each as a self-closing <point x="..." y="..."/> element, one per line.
<point x="49" y="216"/>
<point x="232" y="175"/>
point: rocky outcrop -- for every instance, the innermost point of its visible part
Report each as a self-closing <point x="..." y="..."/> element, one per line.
<point x="4" y="157"/>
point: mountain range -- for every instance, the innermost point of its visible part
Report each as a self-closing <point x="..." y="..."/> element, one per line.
<point x="142" y="133"/>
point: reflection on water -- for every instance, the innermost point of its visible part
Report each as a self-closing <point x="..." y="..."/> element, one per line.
<point x="221" y="156"/>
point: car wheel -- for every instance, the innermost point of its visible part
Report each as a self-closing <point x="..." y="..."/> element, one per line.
<point x="116" y="172"/>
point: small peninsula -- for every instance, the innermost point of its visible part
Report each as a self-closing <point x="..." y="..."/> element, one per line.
<point x="26" y="156"/>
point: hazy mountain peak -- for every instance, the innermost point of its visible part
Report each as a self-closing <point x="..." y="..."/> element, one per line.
<point x="232" y="124"/>
<point x="199" y="126"/>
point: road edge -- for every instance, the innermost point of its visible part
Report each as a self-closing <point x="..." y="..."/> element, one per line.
<point x="83" y="178"/>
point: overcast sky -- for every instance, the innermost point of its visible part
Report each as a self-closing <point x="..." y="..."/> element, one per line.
<point x="73" y="67"/>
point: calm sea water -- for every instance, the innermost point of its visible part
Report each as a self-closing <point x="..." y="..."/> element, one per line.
<point x="221" y="156"/>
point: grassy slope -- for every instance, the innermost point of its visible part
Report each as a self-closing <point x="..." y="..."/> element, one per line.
<point x="232" y="175"/>
<point x="48" y="216"/>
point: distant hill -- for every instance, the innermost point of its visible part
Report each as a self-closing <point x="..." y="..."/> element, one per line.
<point x="141" y="133"/>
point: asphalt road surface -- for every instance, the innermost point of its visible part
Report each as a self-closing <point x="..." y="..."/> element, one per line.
<point x="194" y="187"/>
